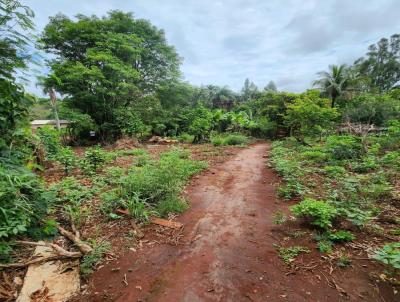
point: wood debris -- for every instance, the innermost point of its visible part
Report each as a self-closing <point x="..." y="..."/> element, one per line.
<point x="167" y="223"/>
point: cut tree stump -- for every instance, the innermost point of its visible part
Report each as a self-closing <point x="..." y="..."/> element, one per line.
<point x="56" y="280"/>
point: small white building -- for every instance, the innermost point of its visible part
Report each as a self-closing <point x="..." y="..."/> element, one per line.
<point x="40" y="123"/>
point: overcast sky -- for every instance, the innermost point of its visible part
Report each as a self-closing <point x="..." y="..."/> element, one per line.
<point x="224" y="42"/>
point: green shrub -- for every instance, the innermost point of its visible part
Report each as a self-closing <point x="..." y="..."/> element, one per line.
<point x="319" y="213"/>
<point x="66" y="157"/>
<point x="291" y="189"/>
<point x="236" y="139"/>
<point x="155" y="185"/>
<point x="344" y="147"/>
<point x="334" y="171"/>
<point x="340" y="236"/>
<point x="23" y="203"/>
<point x="142" y="160"/>
<point x="389" y="254"/>
<point x="51" y="141"/>
<point x="315" y="156"/>
<point x="111" y="200"/>
<point x="367" y="165"/>
<point x="186" y="138"/>
<point x="327" y="239"/>
<point x="69" y="190"/>
<point x="263" y="128"/>
<point x="391" y="159"/>
<point x="94" y="159"/>
<point x="158" y="179"/>
<point x="229" y="139"/>
<point x="325" y="246"/>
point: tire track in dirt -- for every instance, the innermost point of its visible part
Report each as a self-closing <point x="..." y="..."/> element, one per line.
<point x="228" y="252"/>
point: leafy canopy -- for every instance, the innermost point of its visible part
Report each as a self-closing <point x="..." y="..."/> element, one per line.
<point x="103" y="64"/>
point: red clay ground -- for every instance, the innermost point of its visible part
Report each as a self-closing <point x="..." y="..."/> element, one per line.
<point x="227" y="252"/>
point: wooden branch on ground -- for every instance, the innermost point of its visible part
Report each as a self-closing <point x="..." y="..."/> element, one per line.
<point x="83" y="247"/>
<point x="60" y="254"/>
<point x="58" y="249"/>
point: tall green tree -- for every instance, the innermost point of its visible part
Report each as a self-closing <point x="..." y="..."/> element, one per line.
<point x="334" y="82"/>
<point x="104" y="64"/>
<point x="271" y="86"/>
<point x="382" y="63"/>
<point x="15" y="21"/>
<point x="310" y="115"/>
<point x="249" y="91"/>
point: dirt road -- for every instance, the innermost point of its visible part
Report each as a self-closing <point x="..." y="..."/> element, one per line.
<point x="227" y="252"/>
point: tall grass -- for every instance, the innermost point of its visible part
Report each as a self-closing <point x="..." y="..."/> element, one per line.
<point x="229" y="139"/>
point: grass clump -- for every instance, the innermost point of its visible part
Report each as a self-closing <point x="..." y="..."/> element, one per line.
<point x="229" y="139"/>
<point x="153" y="186"/>
<point x="173" y="204"/>
<point x="186" y="138"/>
<point x="89" y="261"/>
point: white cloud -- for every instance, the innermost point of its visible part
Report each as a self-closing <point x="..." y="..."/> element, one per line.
<point x="224" y="42"/>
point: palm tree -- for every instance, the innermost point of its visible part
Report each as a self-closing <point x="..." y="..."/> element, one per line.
<point x="333" y="83"/>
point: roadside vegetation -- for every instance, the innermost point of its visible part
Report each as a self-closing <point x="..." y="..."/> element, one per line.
<point x="117" y="78"/>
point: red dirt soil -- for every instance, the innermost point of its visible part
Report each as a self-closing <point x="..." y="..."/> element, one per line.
<point x="227" y="251"/>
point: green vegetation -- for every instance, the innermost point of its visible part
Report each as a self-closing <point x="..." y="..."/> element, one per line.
<point x="89" y="261"/>
<point x="289" y="254"/>
<point x="390" y="255"/>
<point x="119" y="77"/>
<point x="229" y="139"/>
<point x="93" y="160"/>
<point x="153" y="186"/>
<point x="319" y="213"/>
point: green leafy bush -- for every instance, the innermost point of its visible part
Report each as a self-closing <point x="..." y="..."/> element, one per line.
<point x="344" y="147"/>
<point x="392" y="159"/>
<point x="334" y="171"/>
<point x="50" y="138"/>
<point x="340" y="236"/>
<point x="66" y="157"/>
<point x="69" y="190"/>
<point x="94" y="159"/>
<point x="153" y="185"/>
<point x="389" y="254"/>
<point x="320" y="213"/>
<point x="23" y="203"/>
<point x="186" y="138"/>
<point x="316" y="156"/>
<point x="367" y="165"/>
<point x="229" y="139"/>
<point x="325" y="246"/>
<point x="157" y="179"/>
